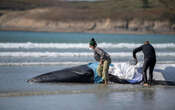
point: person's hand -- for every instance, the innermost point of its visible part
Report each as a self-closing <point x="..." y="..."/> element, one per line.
<point x="136" y="60"/>
<point x="101" y="62"/>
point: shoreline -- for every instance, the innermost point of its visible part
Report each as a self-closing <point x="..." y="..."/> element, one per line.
<point x="93" y="31"/>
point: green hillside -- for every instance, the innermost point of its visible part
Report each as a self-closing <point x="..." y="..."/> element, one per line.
<point x="114" y="9"/>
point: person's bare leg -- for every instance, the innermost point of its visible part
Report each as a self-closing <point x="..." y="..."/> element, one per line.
<point x="99" y="70"/>
<point x="105" y="71"/>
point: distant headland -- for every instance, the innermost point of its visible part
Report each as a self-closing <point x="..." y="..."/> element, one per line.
<point x="106" y="16"/>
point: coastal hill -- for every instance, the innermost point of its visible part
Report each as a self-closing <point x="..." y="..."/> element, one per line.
<point x="108" y="16"/>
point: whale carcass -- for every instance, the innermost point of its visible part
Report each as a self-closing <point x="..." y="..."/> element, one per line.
<point x="87" y="74"/>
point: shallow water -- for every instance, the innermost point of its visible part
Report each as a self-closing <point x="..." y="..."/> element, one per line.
<point x="153" y="99"/>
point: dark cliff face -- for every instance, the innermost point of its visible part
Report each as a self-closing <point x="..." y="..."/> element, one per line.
<point x="26" y="21"/>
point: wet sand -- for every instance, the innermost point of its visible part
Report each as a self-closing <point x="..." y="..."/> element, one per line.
<point x="17" y="94"/>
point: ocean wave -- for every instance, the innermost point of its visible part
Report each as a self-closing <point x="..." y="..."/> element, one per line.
<point x="73" y="54"/>
<point x="64" y="63"/>
<point x="40" y="63"/>
<point x="29" y="45"/>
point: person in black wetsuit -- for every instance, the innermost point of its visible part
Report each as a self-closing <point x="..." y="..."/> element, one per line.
<point x="149" y="61"/>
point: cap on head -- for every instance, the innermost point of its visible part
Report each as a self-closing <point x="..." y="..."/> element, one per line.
<point x="92" y="42"/>
<point x="146" y="42"/>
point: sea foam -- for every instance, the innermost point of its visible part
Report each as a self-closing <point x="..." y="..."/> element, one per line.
<point x="29" y="45"/>
<point x="73" y="54"/>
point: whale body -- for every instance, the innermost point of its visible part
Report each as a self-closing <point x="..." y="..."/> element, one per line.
<point x="82" y="74"/>
<point x="77" y="74"/>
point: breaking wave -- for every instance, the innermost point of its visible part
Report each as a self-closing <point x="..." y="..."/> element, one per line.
<point x="29" y="45"/>
<point x="72" y="54"/>
<point x="40" y="63"/>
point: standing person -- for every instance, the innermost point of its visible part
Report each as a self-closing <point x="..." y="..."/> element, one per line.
<point x="103" y="58"/>
<point x="149" y="61"/>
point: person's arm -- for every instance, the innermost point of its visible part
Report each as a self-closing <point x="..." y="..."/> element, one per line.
<point x="135" y="51"/>
<point x="101" y="53"/>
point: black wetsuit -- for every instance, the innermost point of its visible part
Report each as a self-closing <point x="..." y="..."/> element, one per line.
<point x="149" y="60"/>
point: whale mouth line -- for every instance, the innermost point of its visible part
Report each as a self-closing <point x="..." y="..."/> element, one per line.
<point x="77" y="72"/>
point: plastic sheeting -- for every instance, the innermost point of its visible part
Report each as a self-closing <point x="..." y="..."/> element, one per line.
<point x="131" y="73"/>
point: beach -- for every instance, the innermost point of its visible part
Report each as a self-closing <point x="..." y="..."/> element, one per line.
<point x="24" y="55"/>
<point x="42" y="36"/>
<point x="16" y="93"/>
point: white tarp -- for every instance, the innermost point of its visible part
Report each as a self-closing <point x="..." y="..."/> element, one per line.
<point x="132" y="73"/>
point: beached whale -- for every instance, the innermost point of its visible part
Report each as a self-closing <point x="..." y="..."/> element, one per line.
<point x="78" y="74"/>
<point x="85" y="74"/>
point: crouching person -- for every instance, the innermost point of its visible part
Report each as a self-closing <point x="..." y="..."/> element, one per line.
<point x="103" y="58"/>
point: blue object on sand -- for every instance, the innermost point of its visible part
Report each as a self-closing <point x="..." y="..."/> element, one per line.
<point x="93" y="66"/>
